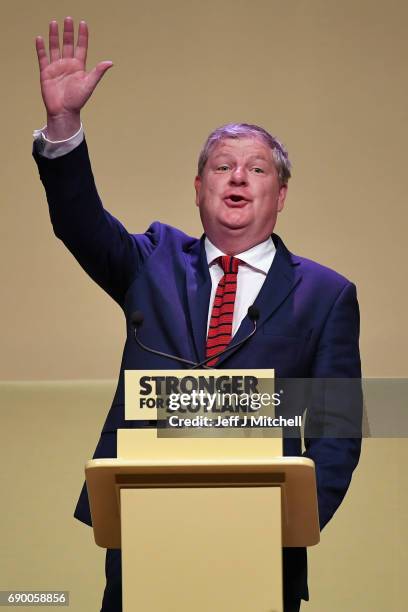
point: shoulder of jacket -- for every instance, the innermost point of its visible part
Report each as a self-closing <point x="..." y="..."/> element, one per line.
<point x="160" y="232"/>
<point x="324" y="273"/>
<point x="312" y="270"/>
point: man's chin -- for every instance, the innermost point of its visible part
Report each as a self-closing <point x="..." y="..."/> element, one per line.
<point x="234" y="224"/>
<point x="233" y="229"/>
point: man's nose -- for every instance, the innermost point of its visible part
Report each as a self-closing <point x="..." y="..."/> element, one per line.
<point x="238" y="176"/>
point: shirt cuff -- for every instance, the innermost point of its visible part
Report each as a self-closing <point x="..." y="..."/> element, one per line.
<point x="56" y="148"/>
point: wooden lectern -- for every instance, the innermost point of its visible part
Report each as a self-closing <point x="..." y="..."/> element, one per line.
<point x="202" y="521"/>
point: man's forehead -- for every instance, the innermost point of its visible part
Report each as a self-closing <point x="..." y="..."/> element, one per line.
<point x="249" y="146"/>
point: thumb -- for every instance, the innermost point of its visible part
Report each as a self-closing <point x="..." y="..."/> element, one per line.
<point x="97" y="73"/>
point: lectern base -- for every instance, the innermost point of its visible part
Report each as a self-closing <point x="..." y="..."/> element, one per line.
<point x="200" y="549"/>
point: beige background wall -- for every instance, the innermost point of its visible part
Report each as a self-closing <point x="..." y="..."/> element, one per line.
<point x="330" y="80"/>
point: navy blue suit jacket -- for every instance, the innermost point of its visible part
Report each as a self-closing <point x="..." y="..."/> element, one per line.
<point x="308" y="326"/>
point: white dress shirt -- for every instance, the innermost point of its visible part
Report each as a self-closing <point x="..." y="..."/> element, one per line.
<point x="251" y="274"/>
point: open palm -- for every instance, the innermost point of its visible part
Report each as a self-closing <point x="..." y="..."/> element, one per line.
<point x="65" y="84"/>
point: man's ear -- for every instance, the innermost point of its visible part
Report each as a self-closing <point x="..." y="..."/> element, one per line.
<point x="197" y="186"/>
<point x="282" y="197"/>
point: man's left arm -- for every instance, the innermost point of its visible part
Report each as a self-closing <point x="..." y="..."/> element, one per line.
<point x="333" y="440"/>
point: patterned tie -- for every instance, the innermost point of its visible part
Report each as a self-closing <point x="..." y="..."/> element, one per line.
<point x="220" y="328"/>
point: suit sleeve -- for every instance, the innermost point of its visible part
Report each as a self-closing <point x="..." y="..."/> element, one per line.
<point x="99" y="242"/>
<point x="333" y="434"/>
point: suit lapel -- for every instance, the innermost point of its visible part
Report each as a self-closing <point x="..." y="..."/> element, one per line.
<point x="280" y="281"/>
<point x="198" y="284"/>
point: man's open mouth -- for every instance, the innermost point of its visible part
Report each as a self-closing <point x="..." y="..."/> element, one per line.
<point x="235" y="200"/>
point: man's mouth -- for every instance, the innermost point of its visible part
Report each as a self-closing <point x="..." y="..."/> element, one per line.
<point x="235" y="200"/>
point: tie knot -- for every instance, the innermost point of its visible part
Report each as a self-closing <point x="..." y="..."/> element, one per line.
<point x="229" y="264"/>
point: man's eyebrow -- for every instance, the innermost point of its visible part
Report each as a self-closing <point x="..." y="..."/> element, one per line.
<point x="262" y="157"/>
<point x="251" y="158"/>
<point x="223" y="154"/>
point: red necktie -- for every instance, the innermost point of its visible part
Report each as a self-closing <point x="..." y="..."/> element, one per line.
<point x="220" y="329"/>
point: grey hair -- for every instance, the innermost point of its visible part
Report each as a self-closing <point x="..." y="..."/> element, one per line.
<point x="245" y="130"/>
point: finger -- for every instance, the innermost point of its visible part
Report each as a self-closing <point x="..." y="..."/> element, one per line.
<point x="68" y="38"/>
<point x="82" y="43"/>
<point x="41" y="53"/>
<point x="97" y="73"/>
<point x="54" y="41"/>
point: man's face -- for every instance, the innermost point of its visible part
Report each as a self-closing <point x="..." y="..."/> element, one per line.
<point x="238" y="194"/>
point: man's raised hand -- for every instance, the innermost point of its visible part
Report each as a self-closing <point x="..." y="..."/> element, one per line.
<point x="65" y="84"/>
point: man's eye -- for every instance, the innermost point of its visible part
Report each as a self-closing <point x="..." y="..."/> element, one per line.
<point x="223" y="168"/>
<point x="258" y="170"/>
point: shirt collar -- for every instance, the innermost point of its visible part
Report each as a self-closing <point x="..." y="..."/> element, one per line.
<point x="258" y="257"/>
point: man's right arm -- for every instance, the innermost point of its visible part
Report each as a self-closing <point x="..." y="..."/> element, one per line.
<point x="98" y="241"/>
<point x="102" y="246"/>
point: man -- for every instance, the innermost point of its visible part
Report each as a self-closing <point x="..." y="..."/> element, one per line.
<point x="308" y="315"/>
